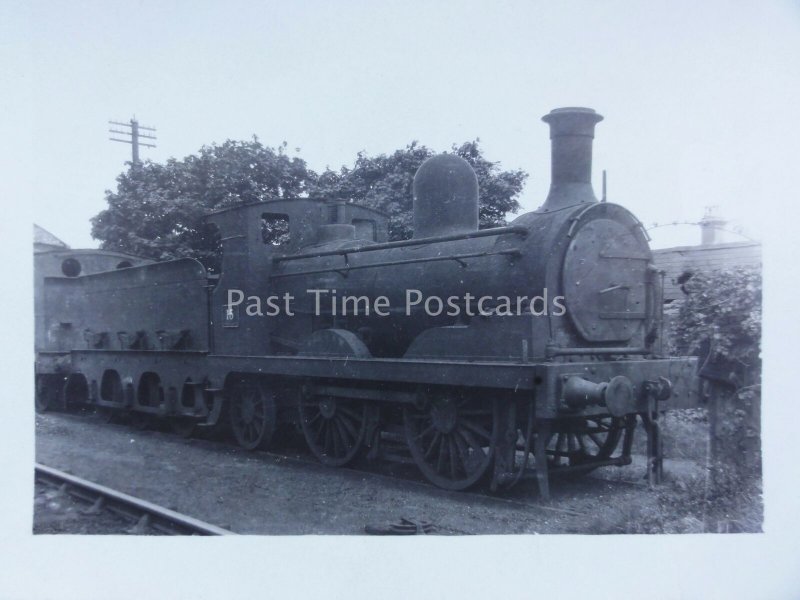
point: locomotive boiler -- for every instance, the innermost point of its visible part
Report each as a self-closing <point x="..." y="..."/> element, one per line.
<point x="594" y="256"/>
<point x="477" y="354"/>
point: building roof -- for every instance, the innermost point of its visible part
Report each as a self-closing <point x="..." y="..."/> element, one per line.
<point x="43" y="238"/>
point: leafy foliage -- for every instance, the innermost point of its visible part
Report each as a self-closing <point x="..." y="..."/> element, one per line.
<point x="720" y="321"/>
<point x="720" y="317"/>
<point x="384" y="182"/>
<point x="157" y="209"/>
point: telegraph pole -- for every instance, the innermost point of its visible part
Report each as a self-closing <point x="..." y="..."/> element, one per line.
<point x="134" y="132"/>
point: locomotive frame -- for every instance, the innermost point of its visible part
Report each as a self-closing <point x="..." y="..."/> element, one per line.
<point x="496" y="398"/>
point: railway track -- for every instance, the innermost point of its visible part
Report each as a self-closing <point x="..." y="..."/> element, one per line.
<point x="142" y="513"/>
<point x="397" y="474"/>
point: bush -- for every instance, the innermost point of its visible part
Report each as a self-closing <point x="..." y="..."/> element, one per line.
<point x="719" y="320"/>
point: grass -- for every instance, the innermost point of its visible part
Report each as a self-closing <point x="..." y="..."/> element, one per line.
<point x="690" y="503"/>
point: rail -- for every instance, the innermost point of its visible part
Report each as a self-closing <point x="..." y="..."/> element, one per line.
<point x="158" y="517"/>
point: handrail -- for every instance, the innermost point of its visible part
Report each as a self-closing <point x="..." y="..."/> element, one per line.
<point x="343" y="270"/>
<point x="495" y="231"/>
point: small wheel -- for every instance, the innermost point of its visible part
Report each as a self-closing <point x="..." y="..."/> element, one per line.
<point x="334" y="427"/>
<point x="74" y="394"/>
<point x="253" y="414"/>
<point x="183" y="427"/>
<point x="584" y="440"/>
<point x="452" y="440"/>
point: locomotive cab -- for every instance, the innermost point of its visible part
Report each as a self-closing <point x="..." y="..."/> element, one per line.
<point x="255" y="237"/>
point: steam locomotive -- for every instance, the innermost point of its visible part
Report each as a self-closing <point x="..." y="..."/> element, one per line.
<point x="528" y="350"/>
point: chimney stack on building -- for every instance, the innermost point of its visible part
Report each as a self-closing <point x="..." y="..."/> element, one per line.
<point x="711" y="227"/>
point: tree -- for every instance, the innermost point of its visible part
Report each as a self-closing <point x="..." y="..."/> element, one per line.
<point x="385" y="182"/>
<point x="158" y="210"/>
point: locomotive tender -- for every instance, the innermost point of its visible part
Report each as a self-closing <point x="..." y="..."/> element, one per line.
<point x="494" y="394"/>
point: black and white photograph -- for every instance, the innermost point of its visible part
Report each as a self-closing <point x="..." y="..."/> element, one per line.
<point x="444" y="299"/>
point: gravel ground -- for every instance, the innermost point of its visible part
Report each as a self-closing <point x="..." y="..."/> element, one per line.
<point x="261" y="493"/>
<point x="57" y="512"/>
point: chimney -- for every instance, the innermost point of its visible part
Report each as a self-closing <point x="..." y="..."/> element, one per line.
<point x="709" y="225"/>
<point x="571" y="135"/>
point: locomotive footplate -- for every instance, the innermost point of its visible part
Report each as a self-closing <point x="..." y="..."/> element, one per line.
<point x="504" y="375"/>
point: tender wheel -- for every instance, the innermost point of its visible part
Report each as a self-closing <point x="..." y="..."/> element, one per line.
<point x="334" y="427"/>
<point x="582" y="440"/>
<point x="47" y="391"/>
<point x="452" y="440"/>
<point x="252" y="414"/>
<point x="74" y="393"/>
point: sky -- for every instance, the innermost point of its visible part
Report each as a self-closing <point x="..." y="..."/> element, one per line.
<point x="699" y="98"/>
